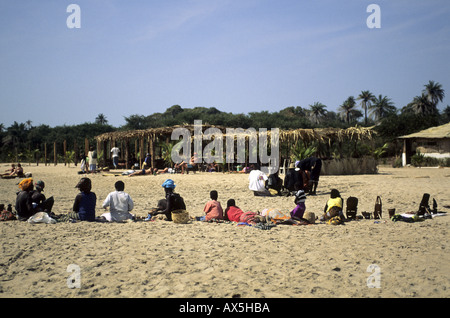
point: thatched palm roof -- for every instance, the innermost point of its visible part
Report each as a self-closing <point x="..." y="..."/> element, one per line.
<point x="437" y="132"/>
<point x="320" y="134"/>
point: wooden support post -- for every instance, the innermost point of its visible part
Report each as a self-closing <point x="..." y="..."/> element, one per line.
<point x="152" y="150"/>
<point x="75" y="150"/>
<point x="141" y="150"/>
<point x="54" y="154"/>
<point x="64" y="151"/>
<point x="86" y="146"/>
<point x="126" y="154"/>
<point x="45" y="154"/>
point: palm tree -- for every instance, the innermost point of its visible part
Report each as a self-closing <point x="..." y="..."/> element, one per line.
<point x="366" y="98"/>
<point x="28" y="123"/>
<point x="317" y="111"/>
<point x="381" y="107"/>
<point x="434" y="92"/>
<point x="15" y="137"/>
<point x="101" y="119"/>
<point x="347" y="107"/>
<point x="422" y="105"/>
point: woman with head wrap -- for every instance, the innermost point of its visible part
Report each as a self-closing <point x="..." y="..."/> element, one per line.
<point x="173" y="201"/>
<point x="85" y="201"/>
<point x="24" y="206"/>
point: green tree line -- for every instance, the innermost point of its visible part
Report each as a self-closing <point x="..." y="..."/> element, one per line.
<point x="25" y="142"/>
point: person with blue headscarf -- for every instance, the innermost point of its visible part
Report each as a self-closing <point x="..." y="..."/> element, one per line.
<point x="173" y="201"/>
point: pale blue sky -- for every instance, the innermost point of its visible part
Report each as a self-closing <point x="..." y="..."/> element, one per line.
<point x="141" y="57"/>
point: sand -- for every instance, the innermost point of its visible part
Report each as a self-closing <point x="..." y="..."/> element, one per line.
<point x="365" y="258"/>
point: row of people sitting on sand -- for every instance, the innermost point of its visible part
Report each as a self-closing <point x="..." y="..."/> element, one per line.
<point x="31" y="200"/>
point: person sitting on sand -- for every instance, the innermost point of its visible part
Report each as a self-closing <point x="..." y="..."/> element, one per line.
<point x="24" y="205"/>
<point x="182" y="165"/>
<point x="17" y="172"/>
<point x="193" y="163"/>
<point x="10" y="170"/>
<point x="213" y="209"/>
<point x="257" y="183"/>
<point x="211" y="167"/>
<point x="120" y="204"/>
<point x="85" y="201"/>
<point x="173" y="201"/>
<point x="333" y="207"/>
<point x="235" y="214"/>
<point x="82" y="164"/>
<point x="274" y="182"/>
<point x="147" y="161"/>
<point x="38" y="199"/>
<point x="300" y="197"/>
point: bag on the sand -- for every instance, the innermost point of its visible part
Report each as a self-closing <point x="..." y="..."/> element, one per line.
<point x="377" y="211"/>
<point x="7" y="216"/>
<point x="41" y="217"/>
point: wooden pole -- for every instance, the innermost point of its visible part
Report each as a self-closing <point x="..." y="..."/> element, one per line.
<point x="54" y="154"/>
<point x="45" y="154"/>
<point x="75" y="150"/>
<point x="152" y="150"/>
<point x="64" y="151"/>
<point x="103" y="145"/>
<point x="86" y="146"/>
<point x="141" y="150"/>
<point x="126" y="154"/>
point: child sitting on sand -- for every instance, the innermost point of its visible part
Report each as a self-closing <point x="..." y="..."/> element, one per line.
<point x="213" y="209"/>
<point x="333" y="207"/>
<point x="119" y="203"/>
<point x="84" y="204"/>
<point x="300" y="197"/>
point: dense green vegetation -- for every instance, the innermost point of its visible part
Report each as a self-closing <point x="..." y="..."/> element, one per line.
<point x="25" y="142"/>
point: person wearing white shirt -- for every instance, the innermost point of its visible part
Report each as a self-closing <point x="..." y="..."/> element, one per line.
<point x="120" y="204"/>
<point x="115" y="156"/>
<point x="257" y="183"/>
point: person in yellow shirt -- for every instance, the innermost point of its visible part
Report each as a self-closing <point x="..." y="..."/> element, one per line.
<point x="333" y="207"/>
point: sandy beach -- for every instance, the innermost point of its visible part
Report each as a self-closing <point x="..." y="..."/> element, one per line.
<point x="200" y="259"/>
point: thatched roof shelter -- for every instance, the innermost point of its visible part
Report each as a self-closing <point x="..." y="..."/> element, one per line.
<point x="320" y="134"/>
<point x="431" y="142"/>
<point x="438" y="132"/>
<point x="323" y="135"/>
